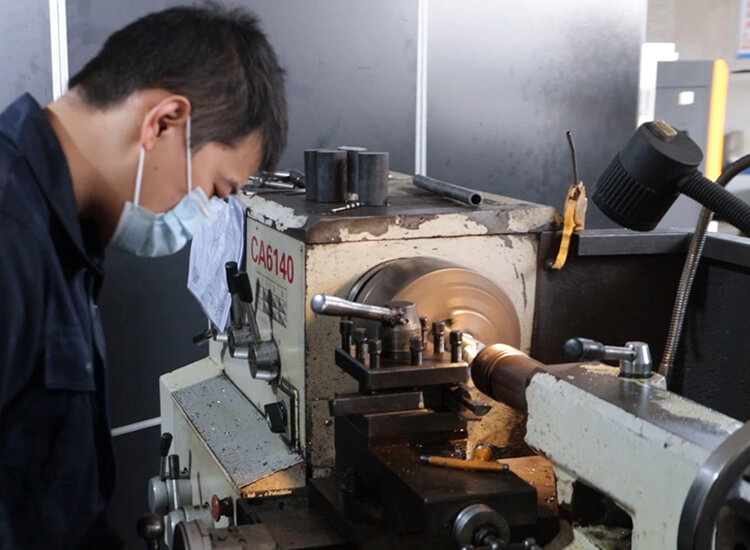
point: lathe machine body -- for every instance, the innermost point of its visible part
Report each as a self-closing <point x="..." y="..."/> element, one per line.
<point x="294" y="250"/>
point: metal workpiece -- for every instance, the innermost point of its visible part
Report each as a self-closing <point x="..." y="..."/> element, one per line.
<point x="352" y="165"/>
<point x="634" y="357"/>
<point x="331" y="176"/>
<point x="311" y="174"/>
<point x="502" y="372"/>
<point x="463" y="195"/>
<point x="372" y="178"/>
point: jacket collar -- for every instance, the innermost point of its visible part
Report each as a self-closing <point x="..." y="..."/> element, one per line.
<point x="26" y="125"/>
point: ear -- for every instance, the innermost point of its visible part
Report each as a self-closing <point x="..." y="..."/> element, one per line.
<point x="168" y="115"/>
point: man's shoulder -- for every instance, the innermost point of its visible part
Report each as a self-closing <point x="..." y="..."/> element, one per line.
<point x="21" y="203"/>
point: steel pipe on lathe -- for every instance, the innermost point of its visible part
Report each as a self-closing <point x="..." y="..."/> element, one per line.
<point x="449" y="190"/>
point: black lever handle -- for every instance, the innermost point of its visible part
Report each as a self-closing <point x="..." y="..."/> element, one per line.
<point x="231" y="271"/>
<point x="174" y="466"/>
<point x="584" y="349"/>
<point x="164" y="444"/>
<point x="243" y="288"/>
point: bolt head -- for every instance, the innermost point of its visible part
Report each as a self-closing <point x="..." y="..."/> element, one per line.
<point x="375" y="346"/>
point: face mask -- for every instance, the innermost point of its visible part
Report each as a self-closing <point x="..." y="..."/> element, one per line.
<point x="149" y="234"/>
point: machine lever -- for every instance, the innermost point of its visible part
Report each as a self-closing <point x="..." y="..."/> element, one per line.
<point x="243" y="287"/>
<point x="634" y="357"/>
<point x="231" y="270"/>
<point x="335" y="306"/>
<point x="164" y="444"/>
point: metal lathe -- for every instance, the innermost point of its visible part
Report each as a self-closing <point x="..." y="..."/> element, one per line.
<point x="405" y="370"/>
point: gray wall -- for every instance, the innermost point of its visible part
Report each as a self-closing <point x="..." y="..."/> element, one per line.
<point x="506" y="81"/>
<point x="25" y="58"/>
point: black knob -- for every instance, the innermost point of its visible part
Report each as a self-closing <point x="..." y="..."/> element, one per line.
<point x="150" y="528"/>
<point x="231" y="271"/>
<point x="164" y="444"/>
<point x="276" y="417"/>
<point x="205" y="336"/>
<point x="583" y="349"/>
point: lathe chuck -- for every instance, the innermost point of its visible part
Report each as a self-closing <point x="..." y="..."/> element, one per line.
<point x="473" y="303"/>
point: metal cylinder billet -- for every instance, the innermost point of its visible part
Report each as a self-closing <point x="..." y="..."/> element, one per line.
<point x="456" y="349"/>
<point x="372" y="182"/>
<point x="423" y="324"/>
<point x="416" y="347"/>
<point x="503" y="372"/>
<point x="352" y="164"/>
<point x="375" y="347"/>
<point x="360" y="343"/>
<point x="331" y="176"/>
<point x="438" y="337"/>
<point x="311" y="174"/>
<point x="346" y="327"/>
<point x="449" y="190"/>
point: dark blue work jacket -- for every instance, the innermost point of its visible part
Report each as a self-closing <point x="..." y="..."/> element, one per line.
<point x="56" y="459"/>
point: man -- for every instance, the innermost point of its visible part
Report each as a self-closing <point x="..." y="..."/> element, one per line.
<point x="178" y="107"/>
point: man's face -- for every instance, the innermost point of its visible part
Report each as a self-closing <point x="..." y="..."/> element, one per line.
<point x="218" y="169"/>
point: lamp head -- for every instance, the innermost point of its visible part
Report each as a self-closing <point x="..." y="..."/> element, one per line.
<point x="643" y="180"/>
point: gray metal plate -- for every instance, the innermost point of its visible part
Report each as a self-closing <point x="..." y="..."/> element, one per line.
<point x="234" y="431"/>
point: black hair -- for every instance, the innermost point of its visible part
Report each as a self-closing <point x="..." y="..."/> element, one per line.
<point x="216" y="57"/>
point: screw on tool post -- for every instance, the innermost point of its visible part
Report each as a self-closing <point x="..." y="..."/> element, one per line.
<point x="456" y="350"/>
<point x="438" y="337"/>
<point x="416" y="347"/>
<point x="346" y="327"/>
<point x="375" y="347"/>
<point x="360" y="342"/>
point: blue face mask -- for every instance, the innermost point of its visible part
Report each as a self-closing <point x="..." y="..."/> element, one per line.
<point x="150" y="234"/>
